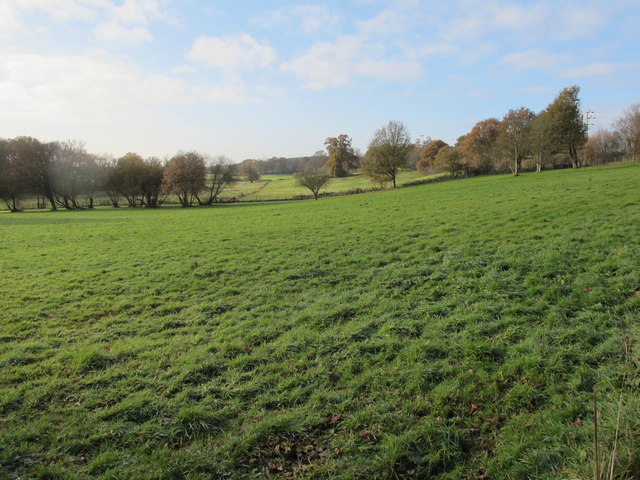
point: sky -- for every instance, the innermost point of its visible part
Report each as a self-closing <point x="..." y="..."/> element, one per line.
<point x="257" y="79"/>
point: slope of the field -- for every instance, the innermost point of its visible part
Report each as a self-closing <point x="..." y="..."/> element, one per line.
<point x="453" y="330"/>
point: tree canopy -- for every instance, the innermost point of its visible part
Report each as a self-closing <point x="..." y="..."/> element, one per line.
<point x="387" y="153"/>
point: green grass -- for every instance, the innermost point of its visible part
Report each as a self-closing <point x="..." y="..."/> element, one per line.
<point x="450" y="331"/>
<point x="284" y="187"/>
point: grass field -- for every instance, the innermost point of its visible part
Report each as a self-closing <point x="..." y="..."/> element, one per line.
<point x="454" y="330"/>
<point x="284" y="187"/>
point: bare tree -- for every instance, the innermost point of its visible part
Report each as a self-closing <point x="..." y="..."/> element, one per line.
<point x="629" y="129"/>
<point x="219" y="176"/>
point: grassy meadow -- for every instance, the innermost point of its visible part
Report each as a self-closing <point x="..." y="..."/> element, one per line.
<point x="454" y="330"/>
<point x="284" y="187"/>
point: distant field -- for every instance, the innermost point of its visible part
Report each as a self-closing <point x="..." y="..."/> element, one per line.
<point x="454" y="330"/>
<point x="284" y="187"/>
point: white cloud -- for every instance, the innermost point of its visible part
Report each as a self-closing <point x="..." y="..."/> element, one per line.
<point x="595" y="69"/>
<point x="184" y="70"/>
<point x="114" y="32"/>
<point x="535" y="59"/>
<point x="96" y="86"/>
<point x="334" y="64"/>
<point x="309" y="18"/>
<point x="231" y="52"/>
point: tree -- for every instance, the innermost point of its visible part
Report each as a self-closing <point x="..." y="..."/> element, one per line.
<point x="219" y="176"/>
<point x="629" y="130"/>
<point x="11" y="186"/>
<point x="514" y="138"/>
<point x="184" y="175"/>
<point x="249" y="170"/>
<point x="540" y="139"/>
<point x="312" y="181"/>
<point x="341" y="156"/>
<point x="113" y="181"/>
<point x="387" y="153"/>
<point x="130" y="169"/>
<point x="152" y="183"/>
<point x="449" y="159"/>
<point x="73" y="172"/>
<point x="428" y="155"/>
<point x="34" y="161"/>
<point x="478" y="147"/>
<point x="603" y="146"/>
<point x="568" y="132"/>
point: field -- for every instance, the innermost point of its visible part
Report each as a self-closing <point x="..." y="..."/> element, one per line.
<point x="284" y="187"/>
<point x="454" y="330"/>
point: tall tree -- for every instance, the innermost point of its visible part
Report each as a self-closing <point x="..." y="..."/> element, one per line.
<point x="514" y="139"/>
<point x="629" y="129"/>
<point x="71" y="173"/>
<point x="567" y="128"/>
<point x="219" y="176"/>
<point x="540" y="139"/>
<point x="11" y="186"/>
<point x="387" y="153"/>
<point x="478" y="147"/>
<point x="341" y="156"/>
<point x="185" y="176"/>
<point x="35" y="163"/>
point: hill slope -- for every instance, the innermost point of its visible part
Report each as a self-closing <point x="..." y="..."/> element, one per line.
<point x="451" y="330"/>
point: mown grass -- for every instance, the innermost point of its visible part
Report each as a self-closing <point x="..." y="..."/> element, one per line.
<point x="451" y="330"/>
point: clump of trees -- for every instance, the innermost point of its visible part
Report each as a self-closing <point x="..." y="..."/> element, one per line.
<point x="65" y="175"/>
<point x="524" y="140"/>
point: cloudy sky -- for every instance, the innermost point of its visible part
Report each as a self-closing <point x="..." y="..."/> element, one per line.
<point x="256" y="79"/>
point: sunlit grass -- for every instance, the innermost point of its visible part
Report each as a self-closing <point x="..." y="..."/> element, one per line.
<point x="450" y="330"/>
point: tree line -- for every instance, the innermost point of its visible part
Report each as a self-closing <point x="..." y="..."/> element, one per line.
<point x="65" y="175"/>
<point x="556" y="137"/>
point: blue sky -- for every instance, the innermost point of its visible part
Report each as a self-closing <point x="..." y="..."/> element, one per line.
<point x="256" y="79"/>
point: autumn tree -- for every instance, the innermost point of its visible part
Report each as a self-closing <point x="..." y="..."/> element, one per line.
<point x="342" y="158"/>
<point x="628" y="128"/>
<point x="603" y="146"/>
<point x="387" y="152"/>
<point x="449" y="159"/>
<point x="313" y="181"/>
<point x="514" y="137"/>
<point x="184" y="176"/>
<point x="428" y="155"/>
<point x="219" y="175"/>
<point x="478" y="147"/>
<point x="568" y="132"/>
